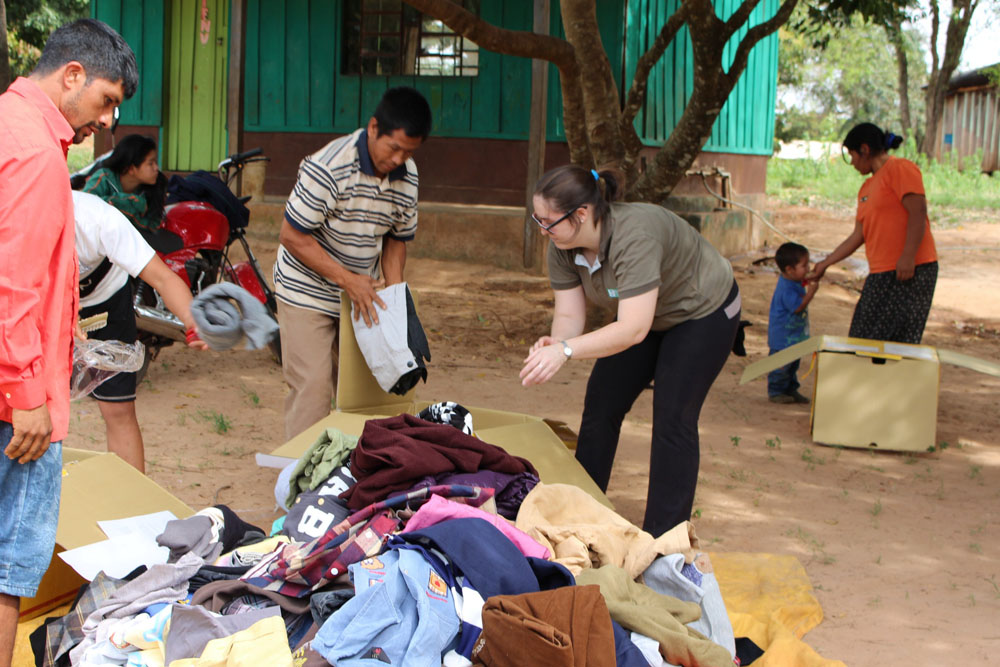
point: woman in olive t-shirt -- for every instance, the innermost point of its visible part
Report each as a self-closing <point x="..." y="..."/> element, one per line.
<point x="678" y="310"/>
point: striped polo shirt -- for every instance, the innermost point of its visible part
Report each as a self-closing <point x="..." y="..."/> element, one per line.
<point x="348" y="209"/>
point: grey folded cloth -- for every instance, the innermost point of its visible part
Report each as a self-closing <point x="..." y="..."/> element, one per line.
<point x="222" y="324"/>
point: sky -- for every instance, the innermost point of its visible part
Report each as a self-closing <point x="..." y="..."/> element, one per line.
<point x="982" y="47"/>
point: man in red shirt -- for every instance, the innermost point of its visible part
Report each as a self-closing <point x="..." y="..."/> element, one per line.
<point x="85" y="71"/>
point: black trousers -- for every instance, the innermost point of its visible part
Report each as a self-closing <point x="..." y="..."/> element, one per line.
<point x="683" y="362"/>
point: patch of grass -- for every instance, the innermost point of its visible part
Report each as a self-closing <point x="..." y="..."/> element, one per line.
<point x="814" y="545"/>
<point x="811" y="459"/>
<point x="735" y="439"/>
<point x="696" y="514"/>
<point x="876" y="508"/>
<point x="974" y="471"/>
<point x="975" y="546"/>
<point x="251" y="396"/>
<point x="220" y="423"/>
<point x="739" y="475"/>
<point x="952" y="189"/>
<point x="773" y="443"/>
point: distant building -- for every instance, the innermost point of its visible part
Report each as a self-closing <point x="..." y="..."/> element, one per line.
<point x="971" y="118"/>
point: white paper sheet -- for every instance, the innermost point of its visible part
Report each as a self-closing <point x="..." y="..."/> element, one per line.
<point x="149" y="525"/>
<point x="117" y="557"/>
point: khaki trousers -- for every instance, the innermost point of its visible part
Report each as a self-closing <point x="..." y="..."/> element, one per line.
<point x="309" y="362"/>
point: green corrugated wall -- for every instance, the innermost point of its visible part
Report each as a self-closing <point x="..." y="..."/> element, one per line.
<point x="293" y="81"/>
<point x="746" y="122"/>
<point x="142" y="25"/>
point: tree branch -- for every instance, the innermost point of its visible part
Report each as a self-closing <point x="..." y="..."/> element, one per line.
<point x="499" y="40"/>
<point x="739" y="17"/>
<point x="527" y="45"/>
<point x="757" y="33"/>
<point x="637" y="93"/>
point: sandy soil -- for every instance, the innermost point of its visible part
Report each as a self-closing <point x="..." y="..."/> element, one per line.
<point x="902" y="549"/>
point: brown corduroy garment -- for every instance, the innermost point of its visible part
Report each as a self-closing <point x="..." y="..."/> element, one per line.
<point x="563" y="627"/>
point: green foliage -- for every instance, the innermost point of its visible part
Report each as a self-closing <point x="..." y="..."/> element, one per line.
<point x="951" y="191"/>
<point x="825" y="88"/>
<point x="29" y="24"/>
<point x="80" y="156"/>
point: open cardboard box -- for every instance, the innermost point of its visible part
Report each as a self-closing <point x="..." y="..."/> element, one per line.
<point x="360" y="398"/>
<point x="96" y="486"/>
<point x="871" y="393"/>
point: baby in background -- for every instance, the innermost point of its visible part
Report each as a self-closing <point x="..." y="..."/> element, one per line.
<point x="788" y="321"/>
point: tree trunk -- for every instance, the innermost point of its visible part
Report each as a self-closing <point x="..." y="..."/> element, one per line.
<point x="600" y="93"/>
<point x="4" y="54"/>
<point x="895" y="33"/>
<point x="712" y="86"/>
<point x="958" y="28"/>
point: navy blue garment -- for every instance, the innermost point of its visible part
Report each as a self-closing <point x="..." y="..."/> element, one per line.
<point x="785" y="327"/>
<point x="550" y="574"/>
<point x="488" y="559"/>
<point x="627" y="654"/>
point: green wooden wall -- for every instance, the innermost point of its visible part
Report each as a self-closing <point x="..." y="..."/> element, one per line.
<point x="746" y="122"/>
<point x="194" y="130"/>
<point x="293" y="79"/>
<point x="142" y="25"/>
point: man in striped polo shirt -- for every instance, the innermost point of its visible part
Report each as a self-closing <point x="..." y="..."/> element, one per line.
<point x="347" y="221"/>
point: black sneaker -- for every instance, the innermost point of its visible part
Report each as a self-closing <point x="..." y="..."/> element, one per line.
<point x="781" y="398"/>
<point x="798" y="398"/>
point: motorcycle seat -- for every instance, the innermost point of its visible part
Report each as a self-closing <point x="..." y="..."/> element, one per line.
<point x="162" y="241"/>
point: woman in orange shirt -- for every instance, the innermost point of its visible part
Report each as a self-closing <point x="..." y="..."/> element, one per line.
<point x="892" y="224"/>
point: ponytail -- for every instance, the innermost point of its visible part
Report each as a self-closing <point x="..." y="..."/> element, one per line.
<point x="572" y="186"/>
<point x="873" y="137"/>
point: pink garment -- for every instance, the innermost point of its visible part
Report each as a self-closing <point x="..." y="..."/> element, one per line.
<point x="439" y="509"/>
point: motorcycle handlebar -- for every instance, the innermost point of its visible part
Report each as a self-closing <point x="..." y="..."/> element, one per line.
<point x="237" y="159"/>
<point x="241" y="157"/>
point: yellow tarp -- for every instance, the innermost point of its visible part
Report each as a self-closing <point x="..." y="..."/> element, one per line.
<point x="770" y="600"/>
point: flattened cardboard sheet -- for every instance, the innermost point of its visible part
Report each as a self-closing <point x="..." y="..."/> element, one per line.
<point x="95" y="486"/>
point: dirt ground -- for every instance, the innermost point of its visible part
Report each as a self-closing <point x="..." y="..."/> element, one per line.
<point x="901" y="549"/>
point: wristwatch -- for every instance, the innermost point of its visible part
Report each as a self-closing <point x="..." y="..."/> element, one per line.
<point x="567" y="350"/>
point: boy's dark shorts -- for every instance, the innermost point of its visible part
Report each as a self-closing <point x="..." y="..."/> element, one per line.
<point x="121" y="326"/>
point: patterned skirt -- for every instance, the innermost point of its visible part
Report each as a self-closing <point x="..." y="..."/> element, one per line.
<point x="895" y="310"/>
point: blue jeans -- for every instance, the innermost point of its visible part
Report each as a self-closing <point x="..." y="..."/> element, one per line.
<point x="29" y="514"/>
<point x="782" y="380"/>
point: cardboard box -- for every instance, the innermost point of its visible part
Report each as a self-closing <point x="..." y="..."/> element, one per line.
<point x="871" y="393"/>
<point x="96" y="486"/>
<point x="360" y="398"/>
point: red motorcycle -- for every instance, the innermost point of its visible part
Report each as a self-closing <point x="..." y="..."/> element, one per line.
<point x="195" y="241"/>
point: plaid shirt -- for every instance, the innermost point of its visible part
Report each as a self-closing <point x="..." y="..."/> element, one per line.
<point x="297" y="569"/>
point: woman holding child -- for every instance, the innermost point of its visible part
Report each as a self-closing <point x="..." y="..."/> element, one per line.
<point x="892" y="224"/>
<point x="678" y="311"/>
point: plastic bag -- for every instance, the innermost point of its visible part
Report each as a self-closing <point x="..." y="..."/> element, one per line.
<point x="95" y="361"/>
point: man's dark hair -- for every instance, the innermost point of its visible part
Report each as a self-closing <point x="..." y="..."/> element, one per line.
<point x="406" y="109"/>
<point x="789" y="254"/>
<point x="95" y="45"/>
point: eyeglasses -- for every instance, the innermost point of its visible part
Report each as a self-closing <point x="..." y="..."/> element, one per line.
<point x="548" y="227"/>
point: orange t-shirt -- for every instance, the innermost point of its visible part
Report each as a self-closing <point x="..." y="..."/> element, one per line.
<point x="883" y="217"/>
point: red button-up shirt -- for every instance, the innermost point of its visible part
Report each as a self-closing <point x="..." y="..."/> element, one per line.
<point x="38" y="268"/>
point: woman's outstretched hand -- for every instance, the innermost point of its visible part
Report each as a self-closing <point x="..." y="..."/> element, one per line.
<point x="544" y="359"/>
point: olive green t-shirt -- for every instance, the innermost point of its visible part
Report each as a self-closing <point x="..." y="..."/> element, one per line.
<point x="645" y="246"/>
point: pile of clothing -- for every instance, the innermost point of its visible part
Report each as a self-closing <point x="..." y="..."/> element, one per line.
<point x="415" y="544"/>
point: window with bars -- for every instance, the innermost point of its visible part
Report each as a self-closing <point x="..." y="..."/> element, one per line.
<point x="388" y="37"/>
